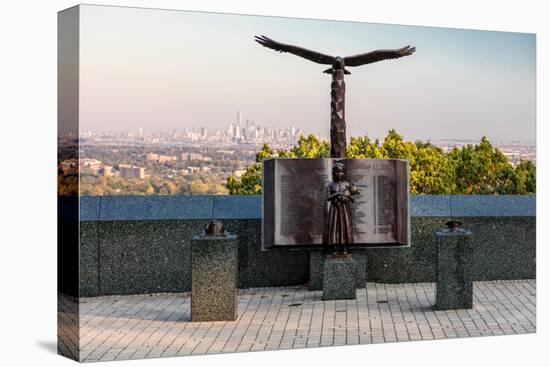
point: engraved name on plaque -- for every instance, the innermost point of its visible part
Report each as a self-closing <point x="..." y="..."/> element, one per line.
<point x="295" y="206"/>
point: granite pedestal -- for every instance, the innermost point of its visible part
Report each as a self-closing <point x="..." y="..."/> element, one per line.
<point x="454" y="270"/>
<point x="316" y="261"/>
<point x="339" y="277"/>
<point x="214" y="274"/>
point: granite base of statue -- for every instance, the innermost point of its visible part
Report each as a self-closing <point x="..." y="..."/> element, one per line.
<point x="454" y="268"/>
<point x="339" y="277"/>
<point x="317" y="262"/>
<point x="214" y="272"/>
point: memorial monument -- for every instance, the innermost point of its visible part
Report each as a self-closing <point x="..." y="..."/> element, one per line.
<point x="335" y="203"/>
<point x="295" y="203"/>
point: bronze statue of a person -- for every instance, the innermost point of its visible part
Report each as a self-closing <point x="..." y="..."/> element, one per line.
<point x="339" y="194"/>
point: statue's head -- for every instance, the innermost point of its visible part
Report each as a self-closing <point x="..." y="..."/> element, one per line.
<point x="338" y="63"/>
<point x="338" y="171"/>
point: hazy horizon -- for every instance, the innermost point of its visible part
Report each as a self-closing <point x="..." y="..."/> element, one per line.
<point x="161" y="70"/>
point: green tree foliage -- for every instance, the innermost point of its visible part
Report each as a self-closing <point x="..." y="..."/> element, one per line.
<point x="310" y="147"/>
<point x="362" y="147"/>
<point x="472" y="169"/>
<point x="251" y="181"/>
<point x="482" y="169"/>
<point x="431" y="173"/>
<point x="526" y="177"/>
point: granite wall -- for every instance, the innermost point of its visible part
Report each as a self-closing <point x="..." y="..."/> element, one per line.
<point x="131" y="245"/>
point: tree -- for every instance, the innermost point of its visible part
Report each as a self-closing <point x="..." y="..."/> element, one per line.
<point x="431" y="171"/>
<point x="526" y="177"/>
<point x="311" y="147"/>
<point x="361" y="147"/>
<point x="395" y="147"/>
<point x="472" y="169"/>
<point x="250" y="182"/>
<point x="481" y="169"/>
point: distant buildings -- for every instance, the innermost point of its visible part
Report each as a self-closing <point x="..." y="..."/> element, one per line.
<point x="106" y="171"/>
<point x="247" y="131"/>
<point x="195" y="157"/>
<point x="159" y="158"/>
<point x="87" y="166"/>
<point x="229" y="150"/>
<point x="91" y="166"/>
<point x="128" y="171"/>
<point x="241" y="131"/>
<point x="69" y="166"/>
<point x="196" y="169"/>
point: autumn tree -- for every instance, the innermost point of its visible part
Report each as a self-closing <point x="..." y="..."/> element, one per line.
<point x="472" y="169"/>
<point x="481" y="169"/>
<point x="430" y="172"/>
<point x="250" y="182"/>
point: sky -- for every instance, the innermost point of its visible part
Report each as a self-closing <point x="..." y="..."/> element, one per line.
<point x="165" y="69"/>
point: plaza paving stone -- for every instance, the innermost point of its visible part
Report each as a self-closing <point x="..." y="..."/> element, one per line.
<point x="147" y="326"/>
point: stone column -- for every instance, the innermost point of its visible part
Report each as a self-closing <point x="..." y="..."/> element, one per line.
<point x="339" y="277"/>
<point x="454" y="269"/>
<point x="338" y="115"/>
<point x="214" y="271"/>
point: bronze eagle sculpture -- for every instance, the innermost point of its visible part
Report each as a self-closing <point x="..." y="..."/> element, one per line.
<point x="338" y="87"/>
<point x="337" y="62"/>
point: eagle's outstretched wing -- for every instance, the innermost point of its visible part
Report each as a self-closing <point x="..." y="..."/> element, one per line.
<point x="298" y="51"/>
<point x="378" y="55"/>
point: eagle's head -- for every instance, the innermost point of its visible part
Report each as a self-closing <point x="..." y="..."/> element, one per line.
<point x="338" y="63"/>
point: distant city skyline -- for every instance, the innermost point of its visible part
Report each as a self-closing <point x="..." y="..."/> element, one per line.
<point x="162" y="70"/>
<point x="201" y="131"/>
<point x="242" y="132"/>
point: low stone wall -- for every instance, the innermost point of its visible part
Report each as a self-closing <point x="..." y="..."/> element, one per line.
<point x="132" y="245"/>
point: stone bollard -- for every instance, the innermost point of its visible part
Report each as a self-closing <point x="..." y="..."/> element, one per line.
<point x="454" y="268"/>
<point x="339" y="277"/>
<point x="214" y="271"/>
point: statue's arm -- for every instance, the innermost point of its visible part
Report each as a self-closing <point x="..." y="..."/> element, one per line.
<point x="328" y="196"/>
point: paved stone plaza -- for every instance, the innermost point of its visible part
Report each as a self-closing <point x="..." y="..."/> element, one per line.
<point x="146" y="326"/>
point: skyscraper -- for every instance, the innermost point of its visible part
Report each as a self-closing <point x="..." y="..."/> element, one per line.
<point x="239" y="119"/>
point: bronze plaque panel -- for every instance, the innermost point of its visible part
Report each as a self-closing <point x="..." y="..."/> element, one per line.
<point x="295" y="206"/>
